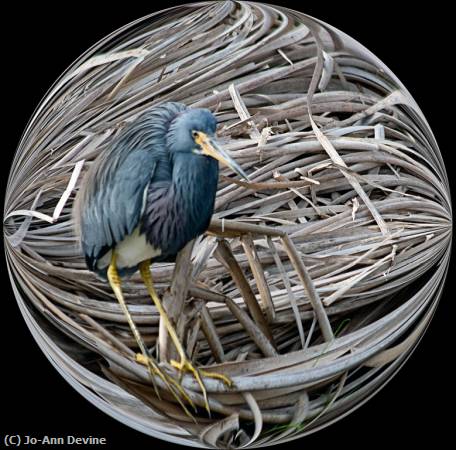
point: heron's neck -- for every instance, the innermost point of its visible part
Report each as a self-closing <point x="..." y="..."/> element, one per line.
<point x="194" y="186"/>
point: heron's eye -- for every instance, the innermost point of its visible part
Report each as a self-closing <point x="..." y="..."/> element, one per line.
<point x="194" y="134"/>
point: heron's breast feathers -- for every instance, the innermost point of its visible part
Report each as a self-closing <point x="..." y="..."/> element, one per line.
<point x="132" y="250"/>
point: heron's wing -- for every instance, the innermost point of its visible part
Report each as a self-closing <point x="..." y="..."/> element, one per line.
<point x="110" y="202"/>
<point x="113" y="201"/>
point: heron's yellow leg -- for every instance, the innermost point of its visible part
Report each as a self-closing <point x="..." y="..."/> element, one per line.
<point x="172" y="385"/>
<point x="185" y="364"/>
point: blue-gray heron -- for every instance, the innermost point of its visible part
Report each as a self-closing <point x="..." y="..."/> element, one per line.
<point x="143" y="199"/>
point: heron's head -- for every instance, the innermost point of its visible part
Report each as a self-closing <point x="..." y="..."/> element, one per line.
<point x="193" y="132"/>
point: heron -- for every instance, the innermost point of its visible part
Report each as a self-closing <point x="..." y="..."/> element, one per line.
<point x="148" y="194"/>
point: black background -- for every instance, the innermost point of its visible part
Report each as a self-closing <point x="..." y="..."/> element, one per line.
<point x="414" y="42"/>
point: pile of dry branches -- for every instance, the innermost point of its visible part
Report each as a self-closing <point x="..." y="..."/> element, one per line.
<point x="317" y="279"/>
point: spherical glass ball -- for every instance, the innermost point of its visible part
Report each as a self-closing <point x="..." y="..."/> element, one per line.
<point x="316" y="277"/>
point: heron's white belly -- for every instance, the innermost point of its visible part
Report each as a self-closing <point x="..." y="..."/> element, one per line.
<point x="132" y="250"/>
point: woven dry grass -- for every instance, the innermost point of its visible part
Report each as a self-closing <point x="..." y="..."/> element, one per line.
<point x="317" y="279"/>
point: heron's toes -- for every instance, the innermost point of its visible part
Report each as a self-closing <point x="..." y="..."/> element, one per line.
<point x="141" y="359"/>
<point x="173" y="385"/>
<point x="218" y="376"/>
<point x="186" y="366"/>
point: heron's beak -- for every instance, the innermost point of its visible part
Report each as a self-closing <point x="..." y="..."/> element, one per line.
<point x="211" y="148"/>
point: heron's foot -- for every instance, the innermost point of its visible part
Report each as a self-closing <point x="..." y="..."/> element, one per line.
<point x="186" y="366"/>
<point x="173" y="385"/>
<point x="218" y="376"/>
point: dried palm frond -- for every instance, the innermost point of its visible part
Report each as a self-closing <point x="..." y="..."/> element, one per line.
<point x="317" y="278"/>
